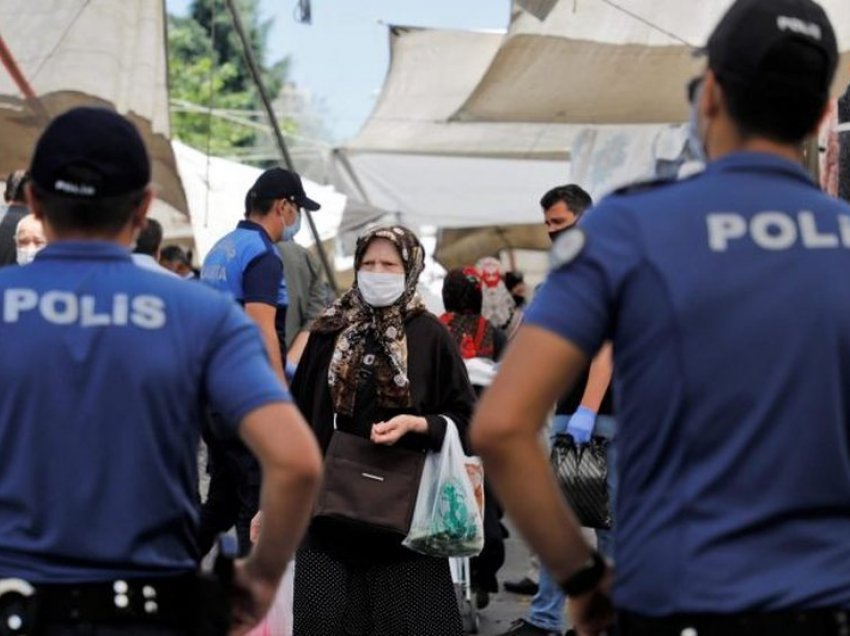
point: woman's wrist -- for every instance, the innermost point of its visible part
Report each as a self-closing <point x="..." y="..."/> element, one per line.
<point x="419" y="424"/>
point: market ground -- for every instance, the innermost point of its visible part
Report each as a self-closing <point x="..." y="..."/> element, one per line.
<point x="505" y="608"/>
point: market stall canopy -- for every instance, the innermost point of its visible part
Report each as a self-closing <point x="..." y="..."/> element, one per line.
<point x="431" y="73"/>
<point x="216" y="189"/>
<point x="86" y="52"/>
<point x="445" y="191"/>
<point x="409" y="158"/>
<point x="607" y="61"/>
<point x="464" y="246"/>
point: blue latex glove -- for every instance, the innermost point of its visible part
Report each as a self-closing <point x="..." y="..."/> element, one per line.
<point x="581" y="425"/>
<point x="289" y="369"/>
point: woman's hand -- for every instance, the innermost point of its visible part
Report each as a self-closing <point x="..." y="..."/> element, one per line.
<point x="388" y="433"/>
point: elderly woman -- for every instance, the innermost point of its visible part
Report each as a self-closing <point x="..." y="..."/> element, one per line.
<point x="381" y="367"/>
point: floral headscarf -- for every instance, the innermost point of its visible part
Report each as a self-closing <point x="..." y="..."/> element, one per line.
<point x="355" y="320"/>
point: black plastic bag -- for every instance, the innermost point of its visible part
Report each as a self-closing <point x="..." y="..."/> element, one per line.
<point x="582" y="472"/>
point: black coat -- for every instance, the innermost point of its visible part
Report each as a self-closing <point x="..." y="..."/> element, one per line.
<point x="439" y="385"/>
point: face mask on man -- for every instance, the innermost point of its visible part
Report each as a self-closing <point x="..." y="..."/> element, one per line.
<point x="290" y="231"/>
<point x="26" y="254"/>
<point x="380" y="289"/>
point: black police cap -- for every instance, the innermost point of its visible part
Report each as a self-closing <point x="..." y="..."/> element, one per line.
<point x="751" y="29"/>
<point x="90" y="153"/>
<point x="277" y="183"/>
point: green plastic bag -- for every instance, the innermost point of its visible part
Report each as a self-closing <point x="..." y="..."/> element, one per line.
<point x="448" y="516"/>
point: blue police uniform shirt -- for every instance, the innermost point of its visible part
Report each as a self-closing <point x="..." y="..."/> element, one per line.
<point x="245" y="265"/>
<point x="726" y="298"/>
<point x="105" y="372"/>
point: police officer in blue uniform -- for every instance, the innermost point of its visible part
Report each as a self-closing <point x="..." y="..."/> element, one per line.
<point x="100" y="420"/>
<point x="245" y="263"/>
<point x="247" y="267"/>
<point x="725" y="296"/>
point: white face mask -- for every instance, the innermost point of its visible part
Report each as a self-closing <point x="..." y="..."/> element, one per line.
<point x="380" y="289"/>
<point x="27" y="254"/>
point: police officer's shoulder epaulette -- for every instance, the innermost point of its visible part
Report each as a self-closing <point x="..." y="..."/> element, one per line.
<point x="644" y="186"/>
<point x="567" y="247"/>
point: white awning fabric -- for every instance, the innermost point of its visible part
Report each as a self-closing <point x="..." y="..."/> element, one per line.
<point x="607" y="62"/>
<point x="446" y="191"/>
<point x="216" y="190"/>
<point x="432" y="72"/>
<point x="410" y="159"/>
<point x="87" y="52"/>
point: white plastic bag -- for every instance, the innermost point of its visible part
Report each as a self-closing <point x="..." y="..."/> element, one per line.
<point x="278" y="621"/>
<point x="449" y="512"/>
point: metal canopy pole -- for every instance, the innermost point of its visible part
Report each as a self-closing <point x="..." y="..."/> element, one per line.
<point x="281" y="143"/>
<point x="8" y="60"/>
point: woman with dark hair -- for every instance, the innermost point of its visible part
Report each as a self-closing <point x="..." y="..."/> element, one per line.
<point x="475" y="335"/>
<point x="481" y="345"/>
<point x="378" y="365"/>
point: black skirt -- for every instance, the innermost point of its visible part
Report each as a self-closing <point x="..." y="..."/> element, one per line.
<point x="413" y="597"/>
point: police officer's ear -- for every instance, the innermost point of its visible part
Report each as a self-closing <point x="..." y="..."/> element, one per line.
<point x="33" y="203"/>
<point x="141" y="211"/>
<point x="817" y="127"/>
<point x="710" y="97"/>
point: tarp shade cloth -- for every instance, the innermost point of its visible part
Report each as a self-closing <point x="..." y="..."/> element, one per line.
<point x="410" y="159"/>
<point x="445" y="191"/>
<point x="461" y="247"/>
<point x="88" y="52"/>
<point x="431" y="73"/>
<point x="600" y="62"/>
<point x="216" y="190"/>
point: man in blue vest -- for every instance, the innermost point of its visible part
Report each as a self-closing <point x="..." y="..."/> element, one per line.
<point x="246" y="266"/>
<point x="245" y="263"/>
<point x="100" y="420"/>
<point x="726" y="300"/>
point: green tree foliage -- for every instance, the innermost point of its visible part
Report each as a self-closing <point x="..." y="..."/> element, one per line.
<point x="207" y="68"/>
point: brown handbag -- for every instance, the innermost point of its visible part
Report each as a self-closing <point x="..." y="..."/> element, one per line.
<point x="369" y="484"/>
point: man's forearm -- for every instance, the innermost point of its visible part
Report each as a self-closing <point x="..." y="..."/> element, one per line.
<point x="296" y="349"/>
<point x="286" y="502"/>
<point x="599" y="378"/>
<point x="538" y="367"/>
<point x="540" y="513"/>
<point x="270" y="340"/>
<point x="291" y="465"/>
<point x="264" y="317"/>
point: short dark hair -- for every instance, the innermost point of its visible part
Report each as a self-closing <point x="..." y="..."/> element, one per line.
<point x="462" y="292"/>
<point x="786" y="101"/>
<point x="174" y="254"/>
<point x="257" y="205"/>
<point x="150" y="238"/>
<point x="16" y="184"/>
<point x="575" y="198"/>
<point x="106" y="214"/>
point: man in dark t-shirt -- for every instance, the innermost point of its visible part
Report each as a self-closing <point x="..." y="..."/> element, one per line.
<point x="584" y="411"/>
